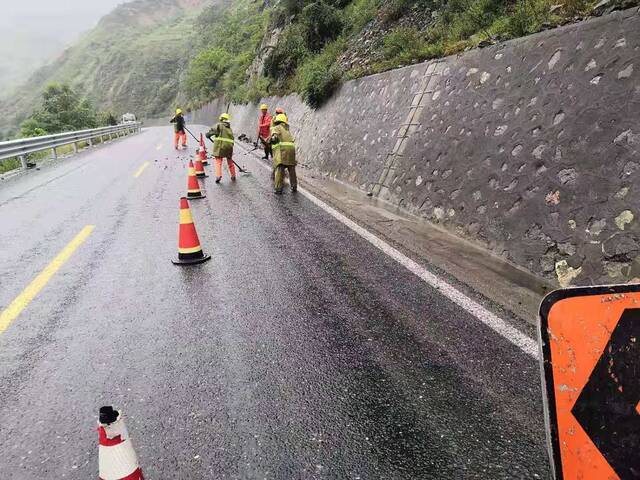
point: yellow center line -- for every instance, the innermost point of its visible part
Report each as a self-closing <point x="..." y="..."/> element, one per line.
<point x="14" y="309"/>
<point x="140" y="170"/>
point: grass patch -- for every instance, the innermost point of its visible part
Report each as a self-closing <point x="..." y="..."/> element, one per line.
<point x="319" y="76"/>
<point x="358" y="14"/>
<point x="9" y="164"/>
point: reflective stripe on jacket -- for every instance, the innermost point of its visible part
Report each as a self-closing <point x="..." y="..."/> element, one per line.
<point x="222" y="137"/>
<point x="284" y="148"/>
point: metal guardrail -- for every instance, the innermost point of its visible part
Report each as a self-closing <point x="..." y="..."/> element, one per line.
<point x="23" y="146"/>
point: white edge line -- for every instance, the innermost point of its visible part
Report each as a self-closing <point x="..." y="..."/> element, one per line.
<point x="515" y="336"/>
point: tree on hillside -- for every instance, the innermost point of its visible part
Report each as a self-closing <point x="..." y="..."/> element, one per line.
<point x="107" y="119"/>
<point x="205" y="72"/>
<point x="321" y="23"/>
<point x="62" y="110"/>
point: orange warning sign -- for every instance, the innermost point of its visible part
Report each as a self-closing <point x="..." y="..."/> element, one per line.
<point x="590" y="339"/>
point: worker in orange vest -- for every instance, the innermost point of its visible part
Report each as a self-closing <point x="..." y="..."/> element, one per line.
<point x="264" y="130"/>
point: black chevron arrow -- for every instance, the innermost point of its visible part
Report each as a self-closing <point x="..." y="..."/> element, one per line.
<point x="607" y="406"/>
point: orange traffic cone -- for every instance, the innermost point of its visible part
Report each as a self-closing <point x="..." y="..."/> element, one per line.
<point x="200" y="173"/>
<point x="202" y="154"/>
<point x="193" y="187"/>
<point x="189" y="249"/>
<point x="203" y="144"/>
<point x="117" y="459"/>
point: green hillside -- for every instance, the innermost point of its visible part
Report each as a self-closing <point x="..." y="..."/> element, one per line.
<point x="148" y="56"/>
<point x="131" y="61"/>
<point x="310" y="46"/>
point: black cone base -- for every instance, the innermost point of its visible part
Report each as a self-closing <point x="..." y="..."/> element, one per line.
<point x="200" y="195"/>
<point x="191" y="261"/>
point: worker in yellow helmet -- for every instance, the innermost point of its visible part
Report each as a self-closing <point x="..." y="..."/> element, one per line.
<point x="284" y="154"/>
<point x="264" y="126"/>
<point x="179" y="127"/>
<point x="279" y="110"/>
<point x="222" y="137"/>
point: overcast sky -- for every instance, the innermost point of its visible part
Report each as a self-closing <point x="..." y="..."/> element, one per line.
<point x="36" y="31"/>
<point x="67" y="17"/>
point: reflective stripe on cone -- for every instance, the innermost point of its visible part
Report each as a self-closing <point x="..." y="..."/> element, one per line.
<point x="117" y="459"/>
<point x="202" y="153"/>
<point x="200" y="169"/>
<point x="193" y="187"/>
<point x="189" y="249"/>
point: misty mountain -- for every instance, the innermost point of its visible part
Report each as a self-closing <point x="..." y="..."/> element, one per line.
<point x="37" y="31"/>
<point x="131" y="61"/>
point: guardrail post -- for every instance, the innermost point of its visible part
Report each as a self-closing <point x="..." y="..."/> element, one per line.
<point x="75" y="147"/>
<point x="54" y="154"/>
<point x="90" y="142"/>
<point x="23" y="161"/>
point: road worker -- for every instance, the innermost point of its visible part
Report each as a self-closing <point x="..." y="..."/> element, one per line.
<point x="284" y="154"/>
<point x="279" y="111"/>
<point x="264" y="127"/>
<point x="180" y="129"/>
<point x="223" y="146"/>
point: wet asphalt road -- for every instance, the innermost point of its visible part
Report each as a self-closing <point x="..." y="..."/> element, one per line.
<point x="299" y="351"/>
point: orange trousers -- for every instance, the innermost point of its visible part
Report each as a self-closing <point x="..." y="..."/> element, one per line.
<point x="178" y="136"/>
<point x="232" y="167"/>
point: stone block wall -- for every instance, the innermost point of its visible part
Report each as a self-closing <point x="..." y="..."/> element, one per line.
<point x="531" y="147"/>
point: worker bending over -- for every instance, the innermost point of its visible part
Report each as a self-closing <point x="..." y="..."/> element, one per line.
<point x="264" y="127"/>
<point x="284" y="154"/>
<point x="222" y="146"/>
<point x="179" y="127"/>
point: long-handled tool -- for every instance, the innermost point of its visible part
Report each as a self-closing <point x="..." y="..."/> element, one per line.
<point x="194" y="137"/>
<point x="242" y="170"/>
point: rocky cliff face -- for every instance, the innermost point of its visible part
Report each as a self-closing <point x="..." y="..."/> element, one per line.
<point x="269" y="42"/>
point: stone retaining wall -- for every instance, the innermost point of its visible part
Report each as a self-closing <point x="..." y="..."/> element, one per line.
<point x="531" y="147"/>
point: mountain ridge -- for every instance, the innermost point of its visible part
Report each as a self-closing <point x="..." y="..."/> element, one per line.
<point x="132" y="60"/>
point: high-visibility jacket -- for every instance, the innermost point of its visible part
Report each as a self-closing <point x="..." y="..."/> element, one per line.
<point x="222" y="139"/>
<point x="283" y="144"/>
<point x="264" y="125"/>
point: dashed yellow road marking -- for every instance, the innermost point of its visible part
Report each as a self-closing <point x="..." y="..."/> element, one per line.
<point x="14" y="309"/>
<point x="140" y="170"/>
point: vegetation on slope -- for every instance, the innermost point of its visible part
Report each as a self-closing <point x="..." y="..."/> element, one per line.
<point x="318" y="37"/>
<point x="149" y="56"/>
<point x="63" y="110"/>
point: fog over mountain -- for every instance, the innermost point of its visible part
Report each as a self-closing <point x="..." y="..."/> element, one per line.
<point x="36" y="31"/>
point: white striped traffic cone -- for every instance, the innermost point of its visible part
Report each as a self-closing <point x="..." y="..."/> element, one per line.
<point x="117" y="459"/>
